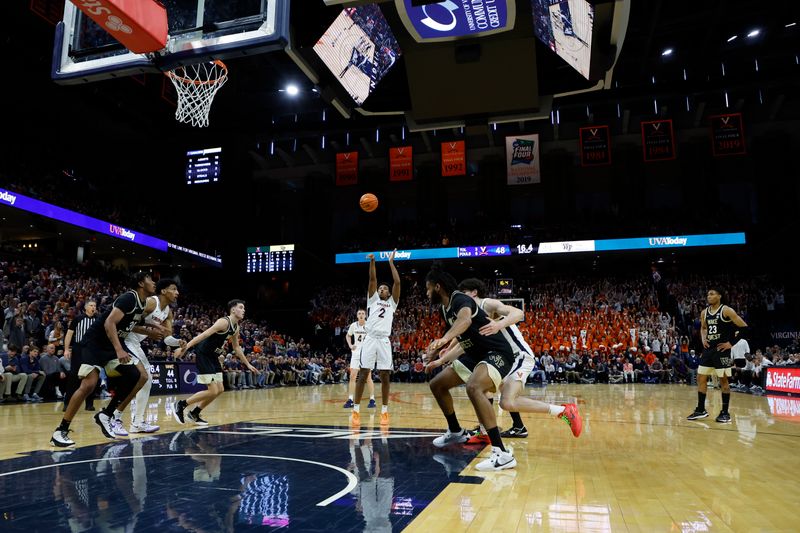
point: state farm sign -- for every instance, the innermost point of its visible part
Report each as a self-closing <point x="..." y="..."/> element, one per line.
<point x="783" y="379"/>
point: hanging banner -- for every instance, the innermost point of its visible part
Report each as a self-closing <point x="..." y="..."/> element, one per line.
<point x="595" y="146"/>
<point x="401" y="163"/>
<point x="658" y="140"/>
<point x="346" y="168"/>
<point x="454" y="159"/>
<point x="727" y="135"/>
<point x="522" y="159"/>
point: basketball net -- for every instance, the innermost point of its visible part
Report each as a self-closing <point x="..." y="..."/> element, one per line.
<point x="196" y="86"/>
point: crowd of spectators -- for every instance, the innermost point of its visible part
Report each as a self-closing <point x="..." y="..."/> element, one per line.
<point x="38" y="304"/>
<point x="582" y="330"/>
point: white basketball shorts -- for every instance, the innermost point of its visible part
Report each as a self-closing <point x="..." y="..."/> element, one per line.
<point x="375" y="353"/>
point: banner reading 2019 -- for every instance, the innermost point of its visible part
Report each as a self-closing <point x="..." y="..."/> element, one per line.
<point x="522" y="159"/>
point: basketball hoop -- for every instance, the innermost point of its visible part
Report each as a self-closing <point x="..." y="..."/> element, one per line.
<point x="196" y="86"/>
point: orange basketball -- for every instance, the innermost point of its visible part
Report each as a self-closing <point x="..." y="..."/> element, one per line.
<point x="369" y="202"/>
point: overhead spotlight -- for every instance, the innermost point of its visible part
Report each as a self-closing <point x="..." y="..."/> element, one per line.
<point x="732" y="38"/>
<point x="292" y="90"/>
<point x="667" y="52"/>
<point x="790" y="25"/>
<point x="754" y="33"/>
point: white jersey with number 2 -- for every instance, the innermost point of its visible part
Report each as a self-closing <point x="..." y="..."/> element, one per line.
<point x="380" y="315"/>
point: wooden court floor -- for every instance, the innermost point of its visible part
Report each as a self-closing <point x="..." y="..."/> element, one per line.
<point x="638" y="466"/>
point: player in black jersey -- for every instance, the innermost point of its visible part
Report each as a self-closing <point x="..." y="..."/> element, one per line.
<point x="210" y="345"/>
<point x="485" y="361"/>
<point x="719" y="328"/>
<point x="102" y="347"/>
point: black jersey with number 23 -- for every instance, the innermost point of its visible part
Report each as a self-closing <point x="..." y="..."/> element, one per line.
<point x="720" y="329"/>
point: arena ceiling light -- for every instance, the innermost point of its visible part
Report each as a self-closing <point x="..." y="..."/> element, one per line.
<point x="754" y="33"/>
<point x="667" y="52"/>
<point x="292" y="90"/>
<point x="732" y="38"/>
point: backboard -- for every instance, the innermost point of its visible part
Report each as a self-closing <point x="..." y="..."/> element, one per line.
<point x="199" y="30"/>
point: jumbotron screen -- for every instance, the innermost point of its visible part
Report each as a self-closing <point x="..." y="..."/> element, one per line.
<point x="275" y="258"/>
<point x="566" y="27"/>
<point x="359" y="48"/>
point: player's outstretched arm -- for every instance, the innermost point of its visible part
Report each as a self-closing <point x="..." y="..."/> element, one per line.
<point x="218" y="327"/>
<point x="372" y="288"/>
<point x="395" y="278"/>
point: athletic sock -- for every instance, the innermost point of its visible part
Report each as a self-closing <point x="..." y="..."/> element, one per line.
<point x="556" y="410"/>
<point x="726" y="400"/>
<point x="350" y="397"/>
<point x="518" y="423"/>
<point x="357" y="408"/>
<point x="494" y="436"/>
<point x="701" y="402"/>
<point x="64" y="426"/>
<point x="196" y="412"/>
<point x="452" y="423"/>
<point x="384" y="409"/>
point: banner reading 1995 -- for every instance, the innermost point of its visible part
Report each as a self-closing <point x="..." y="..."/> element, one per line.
<point x="522" y="159"/>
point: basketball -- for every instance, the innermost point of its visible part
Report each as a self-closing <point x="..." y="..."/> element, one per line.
<point x="369" y="202"/>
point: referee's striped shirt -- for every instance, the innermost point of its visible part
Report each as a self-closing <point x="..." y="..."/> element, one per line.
<point x="80" y="325"/>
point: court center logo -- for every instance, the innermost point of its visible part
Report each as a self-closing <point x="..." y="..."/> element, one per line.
<point x="190" y="377"/>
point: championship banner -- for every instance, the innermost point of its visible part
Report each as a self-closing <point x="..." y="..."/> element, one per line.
<point x="658" y="140"/>
<point x="346" y="168"/>
<point x="522" y="159"/>
<point x="401" y="163"/>
<point x="727" y="135"/>
<point x="454" y="159"/>
<point x="595" y="146"/>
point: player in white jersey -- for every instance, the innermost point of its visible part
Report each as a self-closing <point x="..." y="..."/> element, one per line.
<point x="160" y="320"/>
<point x="355" y="338"/>
<point x="376" y="350"/>
<point x="506" y="316"/>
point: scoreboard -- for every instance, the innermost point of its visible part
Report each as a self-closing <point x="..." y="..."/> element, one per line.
<point x="275" y="258"/>
<point x="202" y="166"/>
<point x="166" y="378"/>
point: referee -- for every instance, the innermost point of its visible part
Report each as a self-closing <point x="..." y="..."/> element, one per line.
<point x="80" y="324"/>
